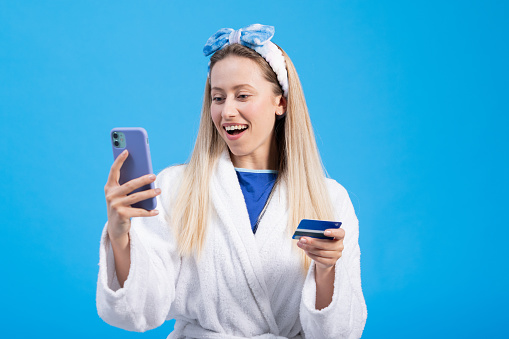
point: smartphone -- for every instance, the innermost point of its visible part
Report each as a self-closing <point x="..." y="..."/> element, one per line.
<point x="138" y="163"/>
<point x="315" y="228"/>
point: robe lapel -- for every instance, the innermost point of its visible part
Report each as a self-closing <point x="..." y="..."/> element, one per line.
<point x="230" y="206"/>
<point x="272" y="222"/>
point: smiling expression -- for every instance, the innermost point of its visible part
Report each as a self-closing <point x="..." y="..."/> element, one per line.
<point x="244" y="110"/>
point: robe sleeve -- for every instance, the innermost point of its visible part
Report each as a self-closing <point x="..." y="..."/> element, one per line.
<point x="346" y="315"/>
<point x="145" y="300"/>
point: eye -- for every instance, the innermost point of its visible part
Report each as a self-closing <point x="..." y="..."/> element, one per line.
<point x="217" y="99"/>
<point x="243" y="96"/>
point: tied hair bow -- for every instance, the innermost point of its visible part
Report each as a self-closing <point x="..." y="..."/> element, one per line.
<point x="251" y="36"/>
<point x="257" y="37"/>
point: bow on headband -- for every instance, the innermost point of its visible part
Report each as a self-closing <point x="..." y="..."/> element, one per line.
<point x="256" y="37"/>
<point x="250" y="36"/>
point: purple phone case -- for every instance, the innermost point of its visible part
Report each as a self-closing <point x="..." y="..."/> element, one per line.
<point x="138" y="162"/>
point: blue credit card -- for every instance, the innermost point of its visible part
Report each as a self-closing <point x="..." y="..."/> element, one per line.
<point x="314" y="228"/>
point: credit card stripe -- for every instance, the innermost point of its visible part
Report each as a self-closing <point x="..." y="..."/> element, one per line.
<point x="313" y="235"/>
<point x="308" y="230"/>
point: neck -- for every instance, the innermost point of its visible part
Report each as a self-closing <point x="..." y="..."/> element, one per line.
<point x="258" y="161"/>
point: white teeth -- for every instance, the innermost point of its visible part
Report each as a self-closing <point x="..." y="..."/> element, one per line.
<point x="231" y="128"/>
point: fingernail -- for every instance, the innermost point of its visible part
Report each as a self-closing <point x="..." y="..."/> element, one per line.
<point x="158" y="190"/>
<point x="155" y="212"/>
<point x="328" y="232"/>
<point x="152" y="176"/>
<point x="124" y="152"/>
<point x="303" y="240"/>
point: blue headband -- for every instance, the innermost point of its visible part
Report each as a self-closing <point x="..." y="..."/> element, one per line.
<point x="256" y="37"/>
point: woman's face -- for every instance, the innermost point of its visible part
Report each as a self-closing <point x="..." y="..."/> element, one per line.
<point x="244" y="110"/>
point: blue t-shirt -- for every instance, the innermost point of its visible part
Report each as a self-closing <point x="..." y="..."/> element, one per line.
<point x="256" y="186"/>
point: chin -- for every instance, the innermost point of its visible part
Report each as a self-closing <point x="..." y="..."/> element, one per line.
<point x="237" y="151"/>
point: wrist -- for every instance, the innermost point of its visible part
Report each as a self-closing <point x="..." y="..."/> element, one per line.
<point x="323" y="270"/>
<point x="120" y="240"/>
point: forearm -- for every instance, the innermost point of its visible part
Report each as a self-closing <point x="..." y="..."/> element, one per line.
<point x="324" y="278"/>
<point x="122" y="253"/>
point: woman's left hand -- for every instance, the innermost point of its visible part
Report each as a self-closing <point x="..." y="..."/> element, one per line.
<point x="324" y="252"/>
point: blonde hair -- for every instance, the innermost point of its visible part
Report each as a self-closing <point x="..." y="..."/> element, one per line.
<point x="299" y="164"/>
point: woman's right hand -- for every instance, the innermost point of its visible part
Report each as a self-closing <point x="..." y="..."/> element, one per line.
<point x="119" y="202"/>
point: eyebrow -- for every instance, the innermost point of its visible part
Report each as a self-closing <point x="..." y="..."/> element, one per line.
<point x="234" y="87"/>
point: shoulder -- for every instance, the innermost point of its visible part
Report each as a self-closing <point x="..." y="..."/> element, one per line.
<point x="170" y="174"/>
<point x="336" y="190"/>
<point x="339" y="197"/>
<point x="168" y="180"/>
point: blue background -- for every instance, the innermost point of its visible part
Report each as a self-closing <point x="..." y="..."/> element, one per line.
<point x="408" y="100"/>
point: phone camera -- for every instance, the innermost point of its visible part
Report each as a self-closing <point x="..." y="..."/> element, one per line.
<point x="116" y="143"/>
<point x="115" y="136"/>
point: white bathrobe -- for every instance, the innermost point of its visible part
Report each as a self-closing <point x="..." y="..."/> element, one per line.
<point x="244" y="285"/>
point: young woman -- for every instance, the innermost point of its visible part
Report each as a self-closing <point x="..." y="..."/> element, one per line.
<point x="219" y="256"/>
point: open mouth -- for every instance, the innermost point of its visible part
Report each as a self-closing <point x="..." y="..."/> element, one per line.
<point x="234" y="130"/>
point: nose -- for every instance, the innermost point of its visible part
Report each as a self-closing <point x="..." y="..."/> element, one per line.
<point x="229" y="109"/>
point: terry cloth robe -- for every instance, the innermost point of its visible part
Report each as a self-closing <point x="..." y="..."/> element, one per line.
<point x="244" y="285"/>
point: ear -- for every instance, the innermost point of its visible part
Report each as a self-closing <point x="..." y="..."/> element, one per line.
<point x="281" y="105"/>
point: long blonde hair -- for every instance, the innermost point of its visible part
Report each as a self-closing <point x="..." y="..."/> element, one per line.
<point x="299" y="165"/>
